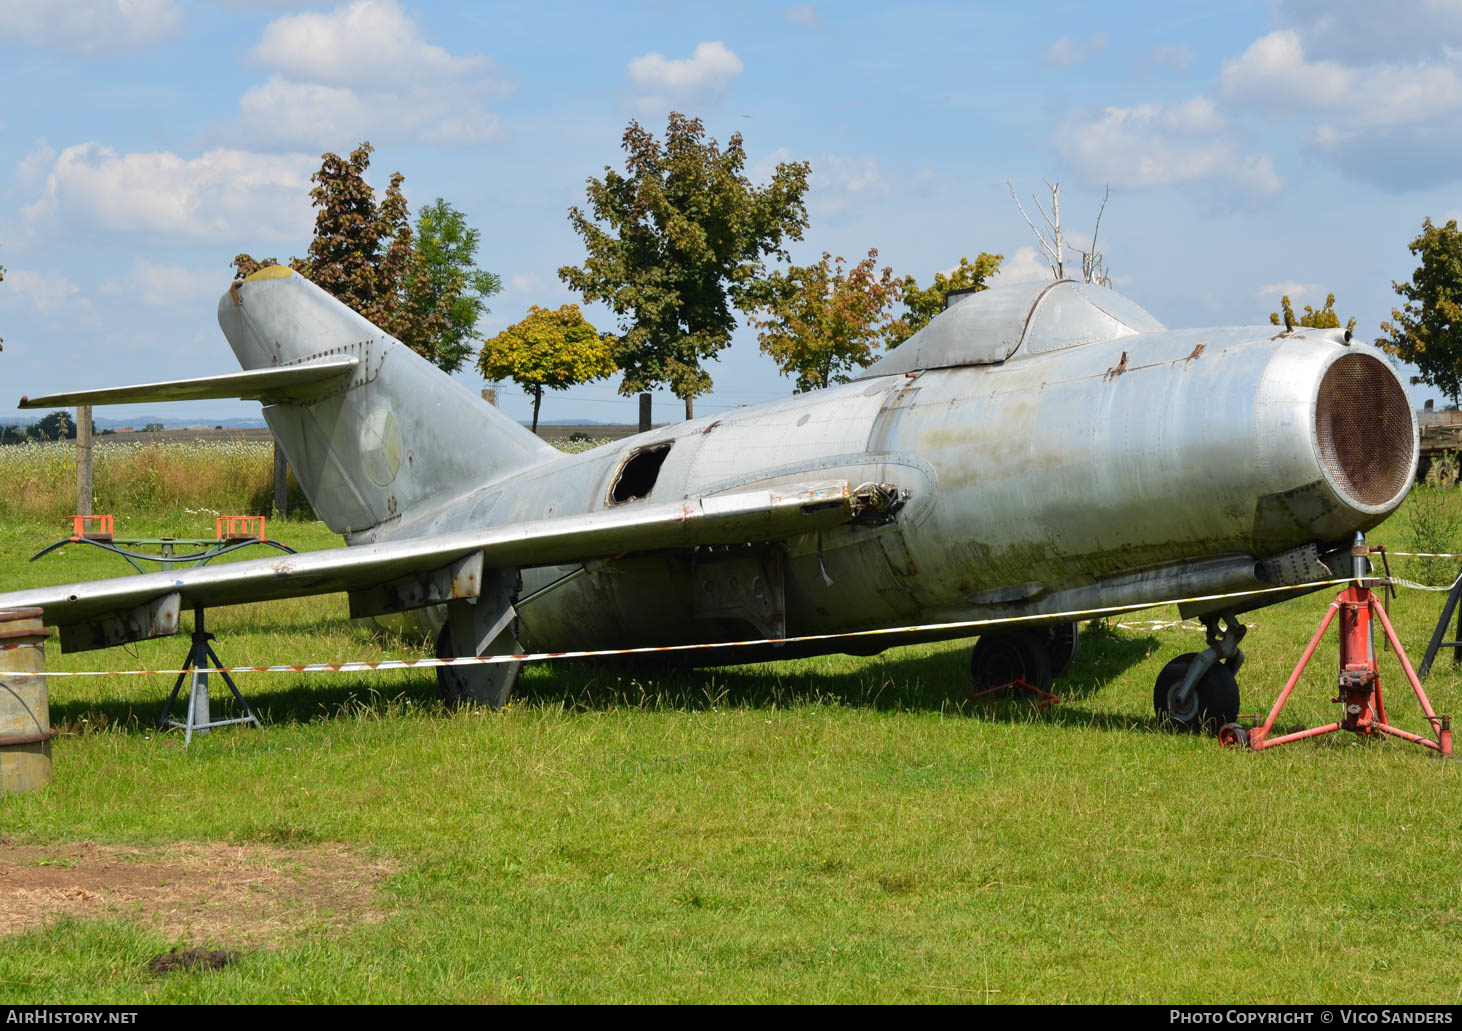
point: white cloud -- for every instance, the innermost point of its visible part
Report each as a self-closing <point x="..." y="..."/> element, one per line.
<point x="1363" y="30"/>
<point x="361" y="71"/>
<point x="89" y="28"/>
<point x="1159" y="145"/>
<point x="31" y="167"/>
<point x="525" y="283"/>
<point x="1289" y="288"/>
<point x="1025" y="266"/>
<point x="222" y="195"/>
<point x="1176" y="55"/>
<point x="1397" y="124"/>
<point x="368" y="43"/>
<point x="664" y="82"/>
<point x="837" y="183"/>
<point x="165" y="286"/>
<point x="316" y="116"/>
<point x="1069" y="50"/>
<point x="804" y="15"/>
<point x="46" y="294"/>
<point x="1274" y="74"/>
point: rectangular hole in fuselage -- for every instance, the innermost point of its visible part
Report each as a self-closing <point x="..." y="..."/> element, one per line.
<point x="637" y="476"/>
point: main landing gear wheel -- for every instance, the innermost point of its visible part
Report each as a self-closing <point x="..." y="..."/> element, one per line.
<point x="489" y="684"/>
<point x="1002" y="658"/>
<point x="1213" y="702"/>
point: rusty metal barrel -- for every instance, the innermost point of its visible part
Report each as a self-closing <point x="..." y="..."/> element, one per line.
<point x="25" y="718"/>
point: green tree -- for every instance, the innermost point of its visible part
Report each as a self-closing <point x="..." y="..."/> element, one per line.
<point x="57" y="425"/>
<point x="821" y="321"/>
<point x="1325" y="318"/>
<point x="1427" y="330"/>
<point x="351" y="254"/>
<point x="923" y="303"/>
<point x="425" y="293"/>
<point x="548" y="349"/>
<point x="674" y="243"/>
<point x="446" y="294"/>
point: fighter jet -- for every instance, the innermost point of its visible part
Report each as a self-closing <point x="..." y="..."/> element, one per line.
<point x="1037" y="452"/>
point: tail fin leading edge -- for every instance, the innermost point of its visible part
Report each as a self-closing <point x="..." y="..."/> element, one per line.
<point x="393" y="433"/>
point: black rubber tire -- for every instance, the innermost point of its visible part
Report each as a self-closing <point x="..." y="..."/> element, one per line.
<point x="1003" y="657"/>
<point x="1063" y="641"/>
<point x="450" y="683"/>
<point x="1216" y="697"/>
<point x="457" y="688"/>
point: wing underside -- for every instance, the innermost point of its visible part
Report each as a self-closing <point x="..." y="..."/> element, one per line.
<point x="415" y="573"/>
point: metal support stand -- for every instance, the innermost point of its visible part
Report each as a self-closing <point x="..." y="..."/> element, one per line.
<point x="1018" y="686"/>
<point x="200" y="655"/>
<point x="1364" y="710"/>
<point x="1436" y="643"/>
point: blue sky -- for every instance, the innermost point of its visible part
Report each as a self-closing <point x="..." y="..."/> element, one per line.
<point x="1251" y="149"/>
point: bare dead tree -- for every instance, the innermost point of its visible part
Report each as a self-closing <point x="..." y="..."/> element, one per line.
<point x="1055" y="254"/>
<point x="1093" y="263"/>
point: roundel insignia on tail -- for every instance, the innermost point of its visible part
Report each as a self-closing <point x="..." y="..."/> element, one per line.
<point x="380" y="446"/>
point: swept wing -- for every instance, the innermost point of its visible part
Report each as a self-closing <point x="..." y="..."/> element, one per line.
<point x="430" y="570"/>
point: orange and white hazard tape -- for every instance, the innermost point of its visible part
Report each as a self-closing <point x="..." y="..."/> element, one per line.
<point x="1422" y="554"/>
<point x="361" y="666"/>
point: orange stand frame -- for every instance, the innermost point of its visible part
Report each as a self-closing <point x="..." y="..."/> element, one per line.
<point x="1360" y="680"/>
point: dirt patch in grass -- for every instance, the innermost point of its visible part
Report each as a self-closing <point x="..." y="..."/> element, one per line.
<point x="203" y="891"/>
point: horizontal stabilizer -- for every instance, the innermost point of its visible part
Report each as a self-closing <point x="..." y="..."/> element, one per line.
<point x="271" y="386"/>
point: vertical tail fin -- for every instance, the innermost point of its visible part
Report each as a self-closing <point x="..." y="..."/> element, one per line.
<point x="397" y="432"/>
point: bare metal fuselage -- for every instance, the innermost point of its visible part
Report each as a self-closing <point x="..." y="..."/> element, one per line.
<point x="1123" y="472"/>
<point x="1036" y="450"/>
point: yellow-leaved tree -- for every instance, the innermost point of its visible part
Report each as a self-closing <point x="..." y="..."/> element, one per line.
<point x="548" y="349"/>
<point x="1323" y="318"/>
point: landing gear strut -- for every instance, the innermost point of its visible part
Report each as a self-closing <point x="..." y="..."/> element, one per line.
<point x="1197" y="691"/>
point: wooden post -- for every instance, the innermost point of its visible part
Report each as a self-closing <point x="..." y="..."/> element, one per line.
<point x="83" y="460"/>
<point x="644" y="412"/>
<point x="25" y="720"/>
<point x="489" y="394"/>
<point x="281" y="481"/>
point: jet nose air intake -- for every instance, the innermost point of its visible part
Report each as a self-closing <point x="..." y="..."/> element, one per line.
<point x="1365" y="432"/>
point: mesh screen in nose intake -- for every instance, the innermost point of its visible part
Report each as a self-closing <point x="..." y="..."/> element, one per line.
<point x="1365" y="428"/>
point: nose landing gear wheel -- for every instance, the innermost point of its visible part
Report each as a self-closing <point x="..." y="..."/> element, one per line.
<point x="1213" y="702"/>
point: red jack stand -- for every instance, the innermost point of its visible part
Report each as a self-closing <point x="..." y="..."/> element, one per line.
<point x="1360" y="681"/>
<point x="1042" y="699"/>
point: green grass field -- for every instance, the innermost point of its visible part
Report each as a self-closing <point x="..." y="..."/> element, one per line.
<point x="828" y="830"/>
